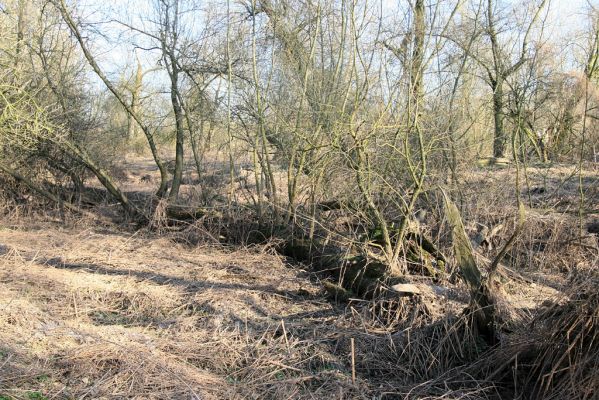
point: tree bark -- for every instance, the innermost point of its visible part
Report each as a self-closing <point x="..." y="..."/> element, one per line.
<point x="107" y="181"/>
<point x="482" y="310"/>
<point x="132" y="125"/>
<point x="177" y="110"/>
<point x="20" y="29"/>
<point x="169" y="36"/>
<point x="40" y="190"/>
<point x="499" y="138"/>
<point x="416" y="77"/>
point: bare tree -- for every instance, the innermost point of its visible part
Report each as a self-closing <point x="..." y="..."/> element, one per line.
<point x="502" y="68"/>
<point x="495" y="55"/>
<point x="74" y="28"/>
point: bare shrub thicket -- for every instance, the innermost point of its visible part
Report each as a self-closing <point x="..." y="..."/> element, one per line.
<point x="394" y="147"/>
<point x="368" y="105"/>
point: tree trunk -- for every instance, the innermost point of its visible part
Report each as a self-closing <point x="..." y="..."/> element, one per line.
<point x="132" y="125"/>
<point x="499" y="138"/>
<point x="40" y="190"/>
<point x="178" y="174"/>
<point x="169" y="35"/>
<point x="417" y="59"/>
<point x="194" y="146"/>
<point x="482" y="310"/>
<point x="106" y="181"/>
<point x="20" y="29"/>
<point x="354" y="273"/>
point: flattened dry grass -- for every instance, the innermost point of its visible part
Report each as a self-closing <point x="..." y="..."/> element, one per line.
<point x="94" y="314"/>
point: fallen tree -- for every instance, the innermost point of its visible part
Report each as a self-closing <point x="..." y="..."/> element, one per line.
<point x="356" y="271"/>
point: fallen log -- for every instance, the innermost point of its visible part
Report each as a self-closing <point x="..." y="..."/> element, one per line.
<point x="356" y="273"/>
<point x="427" y="245"/>
<point x="330" y="205"/>
<point x="418" y="250"/>
<point x="187" y="213"/>
<point x="493" y="161"/>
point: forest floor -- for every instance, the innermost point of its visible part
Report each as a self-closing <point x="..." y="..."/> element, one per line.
<point x="90" y="311"/>
<point x="95" y="313"/>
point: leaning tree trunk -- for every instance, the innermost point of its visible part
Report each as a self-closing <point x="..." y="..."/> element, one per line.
<point x="482" y="308"/>
<point x="39" y="189"/>
<point x="62" y="8"/>
<point x="106" y="181"/>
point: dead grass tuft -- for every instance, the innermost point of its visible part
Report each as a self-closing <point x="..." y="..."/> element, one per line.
<point x="556" y="356"/>
<point x="568" y="354"/>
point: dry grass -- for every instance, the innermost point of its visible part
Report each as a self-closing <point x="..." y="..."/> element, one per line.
<point x="96" y="313"/>
<point x="556" y="355"/>
<point x="88" y="314"/>
<point x="91" y="310"/>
